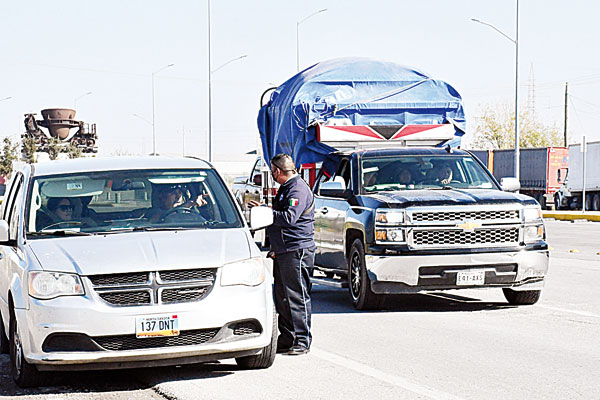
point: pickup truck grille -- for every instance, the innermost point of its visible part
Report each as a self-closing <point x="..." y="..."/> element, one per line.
<point x="459" y="237"/>
<point x="434" y="216"/>
<point x="153" y="288"/>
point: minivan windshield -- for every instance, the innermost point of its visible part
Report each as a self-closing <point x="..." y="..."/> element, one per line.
<point x="423" y="172"/>
<point x="118" y="201"/>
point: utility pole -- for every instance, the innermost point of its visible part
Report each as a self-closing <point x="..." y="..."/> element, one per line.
<point x="566" y="102"/>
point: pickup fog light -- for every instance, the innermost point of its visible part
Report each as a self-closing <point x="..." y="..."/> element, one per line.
<point x="48" y="285"/>
<point x="389" y="217"/>
<point x="533" y="233"/>
<point x="248" y="273"/>
<point x="389" y="235"/>
<point x="531" y="214"/>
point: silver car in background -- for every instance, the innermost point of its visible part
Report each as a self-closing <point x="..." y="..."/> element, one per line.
<point x="99" y="270"/>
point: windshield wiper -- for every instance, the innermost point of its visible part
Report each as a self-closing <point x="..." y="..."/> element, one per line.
<point x="145" y="229"/>
<point x="59" y="233"/>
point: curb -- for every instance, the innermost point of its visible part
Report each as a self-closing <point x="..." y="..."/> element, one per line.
<point x="571" y="216"/>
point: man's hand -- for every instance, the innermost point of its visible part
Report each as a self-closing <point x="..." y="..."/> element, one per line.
<point x="254" y="203"/>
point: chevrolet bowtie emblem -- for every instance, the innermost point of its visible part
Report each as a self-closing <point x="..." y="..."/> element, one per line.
<point x="468" y="226"/>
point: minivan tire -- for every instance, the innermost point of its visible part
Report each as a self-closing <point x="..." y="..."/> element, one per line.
<point x="24" y="374"/>
<point x="267" y="357"/>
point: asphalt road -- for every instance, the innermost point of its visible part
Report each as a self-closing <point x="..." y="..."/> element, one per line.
<point x="467" y="344"/>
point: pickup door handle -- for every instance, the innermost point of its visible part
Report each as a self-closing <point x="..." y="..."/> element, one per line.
<point x="324" y="210"/>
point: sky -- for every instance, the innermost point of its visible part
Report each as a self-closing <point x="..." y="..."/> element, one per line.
<point x="54" y="53"/>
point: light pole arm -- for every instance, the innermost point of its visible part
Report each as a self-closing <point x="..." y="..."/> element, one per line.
<point x="228" y="62"/>
<point x="496" y="29"/>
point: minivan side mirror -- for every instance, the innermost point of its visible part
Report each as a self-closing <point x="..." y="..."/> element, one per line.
<point x="3" y="231"/>
<point x="257" y="179"/>
<point x="510" y="184"/>
<point x="260" y="217"/>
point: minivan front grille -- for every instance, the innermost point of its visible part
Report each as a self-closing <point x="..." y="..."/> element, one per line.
<point x="131" y="342"/>
<point x="150" y="288"/>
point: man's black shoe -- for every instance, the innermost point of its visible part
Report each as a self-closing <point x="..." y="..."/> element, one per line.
<point x="297" y="350"/>
<point x="283" y="350"/>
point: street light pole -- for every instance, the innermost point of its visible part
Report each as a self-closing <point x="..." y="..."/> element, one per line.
<point x="77" y="98"/>
<point x="209" y="92"/>
<point x="153" y="126"/>
<point x="298" y="36"/>
<point x="516" y="43"/>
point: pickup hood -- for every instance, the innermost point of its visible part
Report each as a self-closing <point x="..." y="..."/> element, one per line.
<point x="141" y="251"/>
<point x="450" y="197"/>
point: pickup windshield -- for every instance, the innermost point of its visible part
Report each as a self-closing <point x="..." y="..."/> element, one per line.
<point x="121" y="201"/>
<point x="423" y="172"/>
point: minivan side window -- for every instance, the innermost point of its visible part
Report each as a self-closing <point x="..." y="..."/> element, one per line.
<point x="13" y="211"/>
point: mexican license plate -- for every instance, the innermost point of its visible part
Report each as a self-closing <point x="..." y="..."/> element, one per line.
<point x="157" y="325"/>
<point x="464" y="278"/>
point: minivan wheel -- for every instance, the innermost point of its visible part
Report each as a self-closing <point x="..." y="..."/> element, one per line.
<point x="267" y="357"/>
<point x="4" y="345"/>
<point x="24" y="374"/>
<point x="359" y="284"/>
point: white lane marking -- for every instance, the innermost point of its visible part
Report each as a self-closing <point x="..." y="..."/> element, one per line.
<point x="382" y="376"/>
<point x="584" y="313"/>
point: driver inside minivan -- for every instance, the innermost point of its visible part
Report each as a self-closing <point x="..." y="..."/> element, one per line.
<point x="167" y="198"/>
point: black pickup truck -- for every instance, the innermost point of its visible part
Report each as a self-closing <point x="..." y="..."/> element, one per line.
<point x="407" y="220"/>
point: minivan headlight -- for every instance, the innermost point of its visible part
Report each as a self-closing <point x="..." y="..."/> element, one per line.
<point x="48" y="285"/>
<point x="249" y="272"/>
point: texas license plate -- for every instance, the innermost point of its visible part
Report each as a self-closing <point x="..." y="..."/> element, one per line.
<point x="157" y="325"/>
<point x="464" y="278"/>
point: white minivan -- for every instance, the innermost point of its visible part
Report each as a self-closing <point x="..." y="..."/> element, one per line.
<point x="129" y="262"/>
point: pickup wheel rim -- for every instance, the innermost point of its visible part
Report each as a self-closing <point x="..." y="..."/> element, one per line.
<point x="355" y="280"/>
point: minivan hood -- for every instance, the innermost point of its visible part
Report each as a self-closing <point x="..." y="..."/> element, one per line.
<point x="141" y="251"/>
<point x="451" y="197"/>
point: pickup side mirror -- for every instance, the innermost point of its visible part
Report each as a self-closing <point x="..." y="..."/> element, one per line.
<point x="3" y="231"/>
<point x="334" y="189"/>
<point x="257" y="179"/>
<point x="510" y="184"/>
<point x="260" y="217"/>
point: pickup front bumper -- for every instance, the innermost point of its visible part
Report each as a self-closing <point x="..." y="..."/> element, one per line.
<point x="395" y="274"/>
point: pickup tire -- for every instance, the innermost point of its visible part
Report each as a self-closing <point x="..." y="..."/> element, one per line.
<point x="522" y="297"/>
<point x="267" y="357"/>
<point x="359" y="284"/>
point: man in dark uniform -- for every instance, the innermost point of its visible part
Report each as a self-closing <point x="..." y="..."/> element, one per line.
<point x="293" y="252"/>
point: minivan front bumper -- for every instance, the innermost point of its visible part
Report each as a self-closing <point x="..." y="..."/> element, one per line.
<point x="91" y="319"/>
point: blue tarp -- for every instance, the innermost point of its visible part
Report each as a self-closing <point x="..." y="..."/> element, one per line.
<point x="365" y="91"/>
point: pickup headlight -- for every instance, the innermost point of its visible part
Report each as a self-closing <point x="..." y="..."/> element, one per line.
<point x="389" y="217"/>
<point x="48" y="285"/>
<point x="534" y="233"/>
<point x="534" y="225"/>
<point x="386" y="226"/>
<point x="248" y="273"/>
<point x="532" y="214"/>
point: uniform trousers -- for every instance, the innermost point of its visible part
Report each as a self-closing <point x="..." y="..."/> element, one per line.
<point x="291" y="272"/>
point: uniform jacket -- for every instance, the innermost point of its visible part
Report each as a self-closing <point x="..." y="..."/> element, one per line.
<point x="292" y="228"/>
